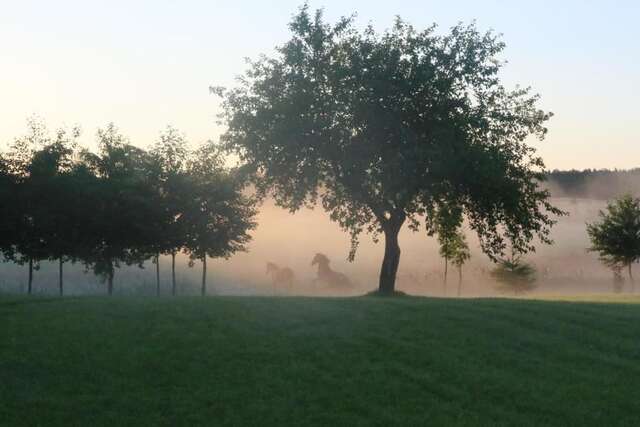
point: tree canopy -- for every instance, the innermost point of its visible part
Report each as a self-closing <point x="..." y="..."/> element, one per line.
<point x="616" y="235"/>
<point x="119" y="205"/>
<point x="381" y="127"/>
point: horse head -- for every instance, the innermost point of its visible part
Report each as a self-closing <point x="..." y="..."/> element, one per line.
<point x="320" y="259"/>
<point x="271" y="267"/>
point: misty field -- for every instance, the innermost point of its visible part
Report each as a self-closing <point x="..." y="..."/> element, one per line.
<point x="303" y="361"/>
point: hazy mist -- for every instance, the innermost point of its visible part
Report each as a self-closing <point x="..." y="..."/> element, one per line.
<point x="292" y="240"/>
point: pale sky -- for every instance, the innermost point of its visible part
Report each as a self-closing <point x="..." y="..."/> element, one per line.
<point x="146" y="64"/>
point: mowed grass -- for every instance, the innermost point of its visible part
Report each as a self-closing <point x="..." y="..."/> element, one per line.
<point x="305" y="361"/>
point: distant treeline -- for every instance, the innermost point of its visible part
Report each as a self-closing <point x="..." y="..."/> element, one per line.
<point x="600" y="184"/>
<point x="118" y="205"/>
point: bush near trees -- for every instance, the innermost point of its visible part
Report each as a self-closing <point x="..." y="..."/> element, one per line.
<point x="119" y="205"/>
<point x="514" y="275"/>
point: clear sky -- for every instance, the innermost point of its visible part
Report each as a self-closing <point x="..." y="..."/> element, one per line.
<point x="146" y="64"/>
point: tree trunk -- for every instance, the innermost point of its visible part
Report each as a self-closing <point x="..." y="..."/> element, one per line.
<point x="633" y="283"/>
<point x="60" y="282"/>
<point x="446" y="270"/>
<point x="173" y="274"/>
<point x="158" y="275"/>
<point x="110" y="282"/>
<point x="391" y="259"/>
<point x="459" y="281"/>
<point x="30" y="283"/>
<point x="203" y="291"/>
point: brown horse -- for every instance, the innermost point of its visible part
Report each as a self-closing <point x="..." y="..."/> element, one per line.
<point x="280" y="277"/>
<point x="332" y="279"/>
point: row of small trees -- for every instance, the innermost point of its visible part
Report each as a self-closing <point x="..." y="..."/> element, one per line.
<point x="118" y="205"/>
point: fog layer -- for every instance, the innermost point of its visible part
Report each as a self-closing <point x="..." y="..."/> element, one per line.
<point x="292" y="240"/>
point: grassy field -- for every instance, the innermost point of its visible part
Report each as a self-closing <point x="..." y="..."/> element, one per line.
<point x="298" y="361"/>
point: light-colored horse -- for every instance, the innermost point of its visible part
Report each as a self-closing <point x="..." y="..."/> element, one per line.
<point x="332" y="279"/>
<point x="280" y="277"/>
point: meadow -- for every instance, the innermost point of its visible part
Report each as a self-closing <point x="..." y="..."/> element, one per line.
<point x="319" y="361"/>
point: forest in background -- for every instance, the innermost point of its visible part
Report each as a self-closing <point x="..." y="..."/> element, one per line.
<point x="597" y="184"/>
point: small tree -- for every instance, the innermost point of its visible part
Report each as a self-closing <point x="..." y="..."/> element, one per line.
<point x="618" y="280"/>
<point x="51" y="169"/>
<point x="171" y="153"/>
<point x="31" y="164"/>
<point x="218" y="216"/>
<point x="461" y="255"/>
<point x="514" y="275"/>
<point x="123" y="220"/>
<point x="445" y="220"/>
<point x="616" y="236"/>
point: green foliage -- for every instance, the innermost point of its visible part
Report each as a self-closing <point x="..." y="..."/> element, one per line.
<point x="600" y="184"/>
<point x="514" y="275"/>
<point x="446" y="221"/>
<point x="170" y="154"/>
<point x="380" y="127"/>
<point x="461" y="253"/>
<point x="616" y="236"/>
<point x="39" y="165"/>
<point x="217" y="214"/>
<point x="123" y="218"/>
<point x="119" y="205"/>
<point x="9" y="212"/>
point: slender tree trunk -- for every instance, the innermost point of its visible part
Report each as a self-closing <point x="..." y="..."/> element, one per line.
<point x="158" y="275"/>
<point x="110" y="281"/>
<point x="391" y="259"/>
<point x="459" y="281"/>
<point x="633" y="283"/>
<point x="60" y="281"/>
<point x="30" y="283"/>
<point x="446" y="271"/>
<point x="203" y="291"/>
<point x="173" y="274"/>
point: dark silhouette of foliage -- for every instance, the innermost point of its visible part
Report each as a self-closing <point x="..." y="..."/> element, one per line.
<point x="121" y="205"/>
<point x="171" y="154"/>
<point x="461" y="254"/>
<point x="600" y="184"/>
<point x="9" y="212"/>
<point x="217" y="215"/>
<point x="53" y="195"/>
<point x="616" y="236"/>
<point x="445" y="221"/>
<point x="124" y="223"/>
<point x="514" y="275"/>
<point x="381" y="127"/>
<point x="37" y="163"/>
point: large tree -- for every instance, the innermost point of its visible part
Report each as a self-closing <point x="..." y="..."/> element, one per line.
<point x="379" y="127"/>
<point x="616" y="235"/>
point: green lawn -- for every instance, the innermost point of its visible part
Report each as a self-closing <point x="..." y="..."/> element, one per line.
<point x="305" y="361"/>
